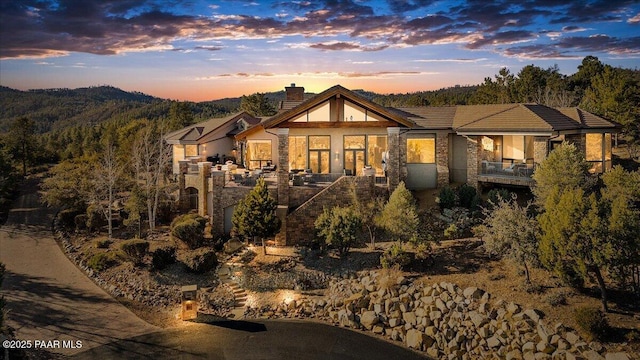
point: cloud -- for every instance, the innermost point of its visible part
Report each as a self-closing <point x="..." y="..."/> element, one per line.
<point x="572" y="47"/>
<point x="317" y="75"/>
<point x="49" y="28"/>
<point x="341" y="45"/>
<point x="451" y="60"/>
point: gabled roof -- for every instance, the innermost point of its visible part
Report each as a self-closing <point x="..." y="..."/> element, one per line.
<point x="336" y="90"/>
<point x="196" y="133"/>
<point x="587" y="119"/>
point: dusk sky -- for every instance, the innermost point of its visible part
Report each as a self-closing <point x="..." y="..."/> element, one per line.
<point x="206" y="50"/>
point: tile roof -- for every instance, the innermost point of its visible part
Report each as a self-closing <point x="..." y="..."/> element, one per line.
<point x="429" y="117"/>
<point x="200" y="130"/>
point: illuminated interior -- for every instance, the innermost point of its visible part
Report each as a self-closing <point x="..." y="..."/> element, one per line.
<point x="598" y="152"/>
<point x="258" y="153"/>
<point x="421" y="150"/>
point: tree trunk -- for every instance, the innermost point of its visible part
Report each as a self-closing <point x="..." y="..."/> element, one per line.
<point x="264" y="247"/>
<point x="603" y="288"/>
<point x="526" y="272"/>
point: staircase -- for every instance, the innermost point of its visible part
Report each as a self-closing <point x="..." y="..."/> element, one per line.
<point x="225" y="274"/>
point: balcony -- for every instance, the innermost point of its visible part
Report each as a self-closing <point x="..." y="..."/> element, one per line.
<point x="506" y="173"/>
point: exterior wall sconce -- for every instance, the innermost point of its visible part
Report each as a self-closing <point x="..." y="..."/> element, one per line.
<point x="498" y="147"/>
<point x="337" y="156"/>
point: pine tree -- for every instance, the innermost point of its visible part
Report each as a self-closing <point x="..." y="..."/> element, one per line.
<point x="255" y="215"/>
<point x="400" y="215"/>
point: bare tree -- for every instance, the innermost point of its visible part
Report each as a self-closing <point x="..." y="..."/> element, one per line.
<point x="106" y="178"/>
<point x="150" y="158"/>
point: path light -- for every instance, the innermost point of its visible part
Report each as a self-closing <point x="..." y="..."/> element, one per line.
<point x="189" y="302"/>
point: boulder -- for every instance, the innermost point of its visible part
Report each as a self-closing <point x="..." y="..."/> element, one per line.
<point x="368" y="319"/>
<point x="473" y="293"/>
<point x="617" y="356"/>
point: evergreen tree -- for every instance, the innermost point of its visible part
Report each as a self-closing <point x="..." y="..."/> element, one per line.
<point x="400" y="215"/>
<point x="21" y="141"/>
<point x="257" y="105"/>
<point x="339" y="227"/>
<point x="564" y="168"/>
<point x="255" y="215"/>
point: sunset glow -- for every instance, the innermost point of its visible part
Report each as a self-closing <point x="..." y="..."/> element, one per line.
<point x="201" y="50"/>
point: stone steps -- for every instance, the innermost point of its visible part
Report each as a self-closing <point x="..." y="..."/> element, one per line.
<point x="225" y="275"/>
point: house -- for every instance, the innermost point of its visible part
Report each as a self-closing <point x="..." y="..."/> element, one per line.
<point x="211" y="140"/>
<point x="314" y="142"/>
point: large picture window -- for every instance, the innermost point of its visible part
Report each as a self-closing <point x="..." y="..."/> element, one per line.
<point x="376" y="145"/>
<point x="598" y="152"/>
<point x="258" y="153"/>
<point x="297" y="152"/>
<point x="319" y="154"/>
<point x="421" y="150"/>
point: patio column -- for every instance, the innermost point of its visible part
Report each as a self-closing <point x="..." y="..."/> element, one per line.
<point x="217" y="212"/>
<point x="183" y="200"/>
<point x="283" y="184"/>
<point x="442" y="158"/>
<point x="393" y="160"/>
<point x="539" y="149"/>
<point x="473" y="146"/>
<point x="204" y="172"/>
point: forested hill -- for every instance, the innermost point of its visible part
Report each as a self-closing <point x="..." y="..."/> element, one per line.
<point x="56" y="109"/>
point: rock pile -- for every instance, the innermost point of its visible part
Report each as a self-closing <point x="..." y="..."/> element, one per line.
<point x="443" y="320"/>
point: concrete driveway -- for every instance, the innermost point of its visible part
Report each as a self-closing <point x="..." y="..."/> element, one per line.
<point x="48" y="297"/>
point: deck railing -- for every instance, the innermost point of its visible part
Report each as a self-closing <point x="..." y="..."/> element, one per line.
<point x="503" y="169"/>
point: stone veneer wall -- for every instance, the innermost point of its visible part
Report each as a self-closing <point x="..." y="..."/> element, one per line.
<point x="472" y="160"/>
<point x="579" y="140"/>
<point x="539" y="149"/>
<point x="393" y="164"/>
<point x="442" y="158"/>
<point x="300" y="222"/>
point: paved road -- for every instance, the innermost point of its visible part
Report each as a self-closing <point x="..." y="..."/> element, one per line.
<point x="247" y="340"/>
<point x="48" y="297"/>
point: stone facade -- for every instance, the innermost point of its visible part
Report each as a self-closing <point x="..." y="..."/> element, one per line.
<point x="442" y="158"/>
<point x="300" y="222"/>
<point x="283" y="167"/>
<point x="393" y="163"/>
<point x="579" y="140"/>
<point x="473" y="147"/>
<point x="539" y="149"/>
<point x="204" y="172"/>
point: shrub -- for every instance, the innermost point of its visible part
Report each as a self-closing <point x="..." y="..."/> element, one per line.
<point x="557" y="298"/>
<point x="135" y="249"/>
<point x="339" y="227"/>
<point x="80" y="221"/>
<point x="495" y="195"/>
<point x="446" y="198"/>
<point x="163" y="257"/>
<point x="451" y="232"/>
<point x="103" y="244"/>
<point x="103" y="260"/>
<point x="395" y="256"/>
<point x="95" y="218"/>
<point x="468" y="197"/>
<point x="66" y="218"/>
<point x="424" y="254"/>
<point x="201" y="260"/>
<point x="592" y="321"/>
<point x="189" y="229"/>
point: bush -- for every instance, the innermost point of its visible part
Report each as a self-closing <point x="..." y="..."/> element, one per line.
<point x="451" y="232"/>
<point x="557" y="298"/>
<point x="201" y="260"/>
<point x="103" y="260"/>
<point x="103" y="244"/>
<point x="163" y="257"/>
<point x="135" y="249"/>
<point x="592" y="321"/>
<point x="446" y="198"/>
<point x="395" y="256"/>
<point x="66" y="219"/>
<point x="189" y="229"/>
<point x="495" y="195"/>
<point x="95" y="218"/>
<point x="339" y="227"/>
<point x="80" y="221"/>
<point x="424" y="254"/>
<point x="468" y="197"/>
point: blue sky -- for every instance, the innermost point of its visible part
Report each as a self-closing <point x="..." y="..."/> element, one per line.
<point x="205" y="50"/>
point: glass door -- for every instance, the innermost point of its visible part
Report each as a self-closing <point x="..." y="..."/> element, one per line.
<point x="354" y="161"/>
<point x="319" y="161"/>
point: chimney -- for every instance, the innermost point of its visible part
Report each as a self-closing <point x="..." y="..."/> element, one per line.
<point x="294" y="92"/>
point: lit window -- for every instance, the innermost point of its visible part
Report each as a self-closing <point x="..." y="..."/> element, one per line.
<point x="421" y="150"/>
<point x="258" y="153"/>
<point x="297" y="152"/>
<point x="191" y="150"/>
<point x="376" y="145"/>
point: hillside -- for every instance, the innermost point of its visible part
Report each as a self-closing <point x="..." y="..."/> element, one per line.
<point x="57" y="109"/>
